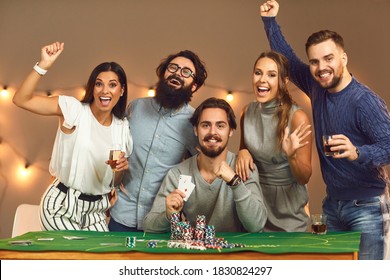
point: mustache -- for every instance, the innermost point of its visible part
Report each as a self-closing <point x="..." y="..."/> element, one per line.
<point x="320" y="72"/>
<point x="177" y="78"/>
<point x="212" y="136"/>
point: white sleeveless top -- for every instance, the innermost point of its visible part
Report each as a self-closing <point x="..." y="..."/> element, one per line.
<point x="78" y="159"/>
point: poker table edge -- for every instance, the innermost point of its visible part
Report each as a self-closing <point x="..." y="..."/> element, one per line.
<point x="247" y="255"/>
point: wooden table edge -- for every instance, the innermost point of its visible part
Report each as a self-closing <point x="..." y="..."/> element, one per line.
<point x="248" y="255"/>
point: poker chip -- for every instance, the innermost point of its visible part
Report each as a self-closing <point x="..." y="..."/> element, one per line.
<point x="130" y="241"/>
<point x="213" y="246"/>
<point x="152" y="244"/>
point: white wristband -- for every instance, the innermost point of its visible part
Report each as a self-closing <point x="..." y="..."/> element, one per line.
<point x="39" y="70"/>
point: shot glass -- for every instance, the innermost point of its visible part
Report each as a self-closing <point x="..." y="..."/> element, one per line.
<point x="318" y="223"/>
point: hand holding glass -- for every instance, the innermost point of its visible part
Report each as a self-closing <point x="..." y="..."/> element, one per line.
<point x="325" y="142"/>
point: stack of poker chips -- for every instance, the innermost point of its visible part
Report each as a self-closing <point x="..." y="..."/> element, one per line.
<point x="209" y="235"/>
<point x="182" y="230"/>
<point x="203" y="237"/>
<point x="200" y="227"/>
<point x="186" y="230"/>
<point x="130" y="241"/>
<point x="175" y="229"/>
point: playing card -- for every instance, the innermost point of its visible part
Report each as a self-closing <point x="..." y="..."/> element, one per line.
<point x="186" y="186"/>
<point x="188" y="190"/>
<point x="184" y="179"/>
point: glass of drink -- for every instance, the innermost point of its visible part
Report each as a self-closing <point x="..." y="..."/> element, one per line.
<point x="318" y="223"/>
<point x="325" y="142"/>
<point x="113" y="157"/>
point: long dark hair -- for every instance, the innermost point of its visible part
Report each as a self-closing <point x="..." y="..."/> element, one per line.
<point x="119" y="109"/>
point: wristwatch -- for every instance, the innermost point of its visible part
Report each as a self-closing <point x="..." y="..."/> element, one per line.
<point x="357" y="152"/>
<point x="234" y="181"/>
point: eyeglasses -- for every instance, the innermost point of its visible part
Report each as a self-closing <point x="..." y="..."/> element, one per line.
<point x="184" y="71"/>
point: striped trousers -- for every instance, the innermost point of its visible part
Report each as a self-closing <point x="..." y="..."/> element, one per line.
<point x="64" y="208"/>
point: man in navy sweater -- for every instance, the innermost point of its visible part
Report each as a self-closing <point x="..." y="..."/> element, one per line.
<point x="357" y="183"/>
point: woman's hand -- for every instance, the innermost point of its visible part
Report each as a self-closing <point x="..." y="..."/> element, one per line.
<point x="291" y="143"/>
<point x="121" y="163"/>
<point x="244" y="164"/>
<point x="49" y="54"/>
<point x="113" y="196"/>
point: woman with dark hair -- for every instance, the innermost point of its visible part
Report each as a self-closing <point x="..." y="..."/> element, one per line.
<point x="283" y="159"/>
<point x="81" y="194"/>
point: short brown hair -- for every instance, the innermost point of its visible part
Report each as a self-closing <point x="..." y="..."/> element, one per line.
<point x="323" y="35"/>
<point x="213" y="102"/>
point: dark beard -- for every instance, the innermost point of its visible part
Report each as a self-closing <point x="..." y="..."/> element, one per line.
<point x="335" y="82"/>
<point x="212" y="153"/>
<point x="209" y="152"/>
<point x="171" y="98"/>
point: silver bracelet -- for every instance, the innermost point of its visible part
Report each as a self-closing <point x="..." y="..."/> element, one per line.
<point x="39" y="70"/>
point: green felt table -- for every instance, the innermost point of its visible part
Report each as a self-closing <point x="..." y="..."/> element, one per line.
<point x="112" y="245"/>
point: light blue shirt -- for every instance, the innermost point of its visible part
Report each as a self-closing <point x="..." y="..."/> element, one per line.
<point x="162" y="138"/>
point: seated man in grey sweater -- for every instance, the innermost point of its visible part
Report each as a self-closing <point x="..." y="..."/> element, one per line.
<point x="227" y="203"/>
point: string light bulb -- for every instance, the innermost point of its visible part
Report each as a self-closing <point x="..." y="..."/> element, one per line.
<point x="24" y="171"/>
<point x="229" y="96"/>
<point x="151" y="92"/>
<point x="4" y="92"/>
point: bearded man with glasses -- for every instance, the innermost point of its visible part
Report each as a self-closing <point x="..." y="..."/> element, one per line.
<point x="162" y="136"/>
